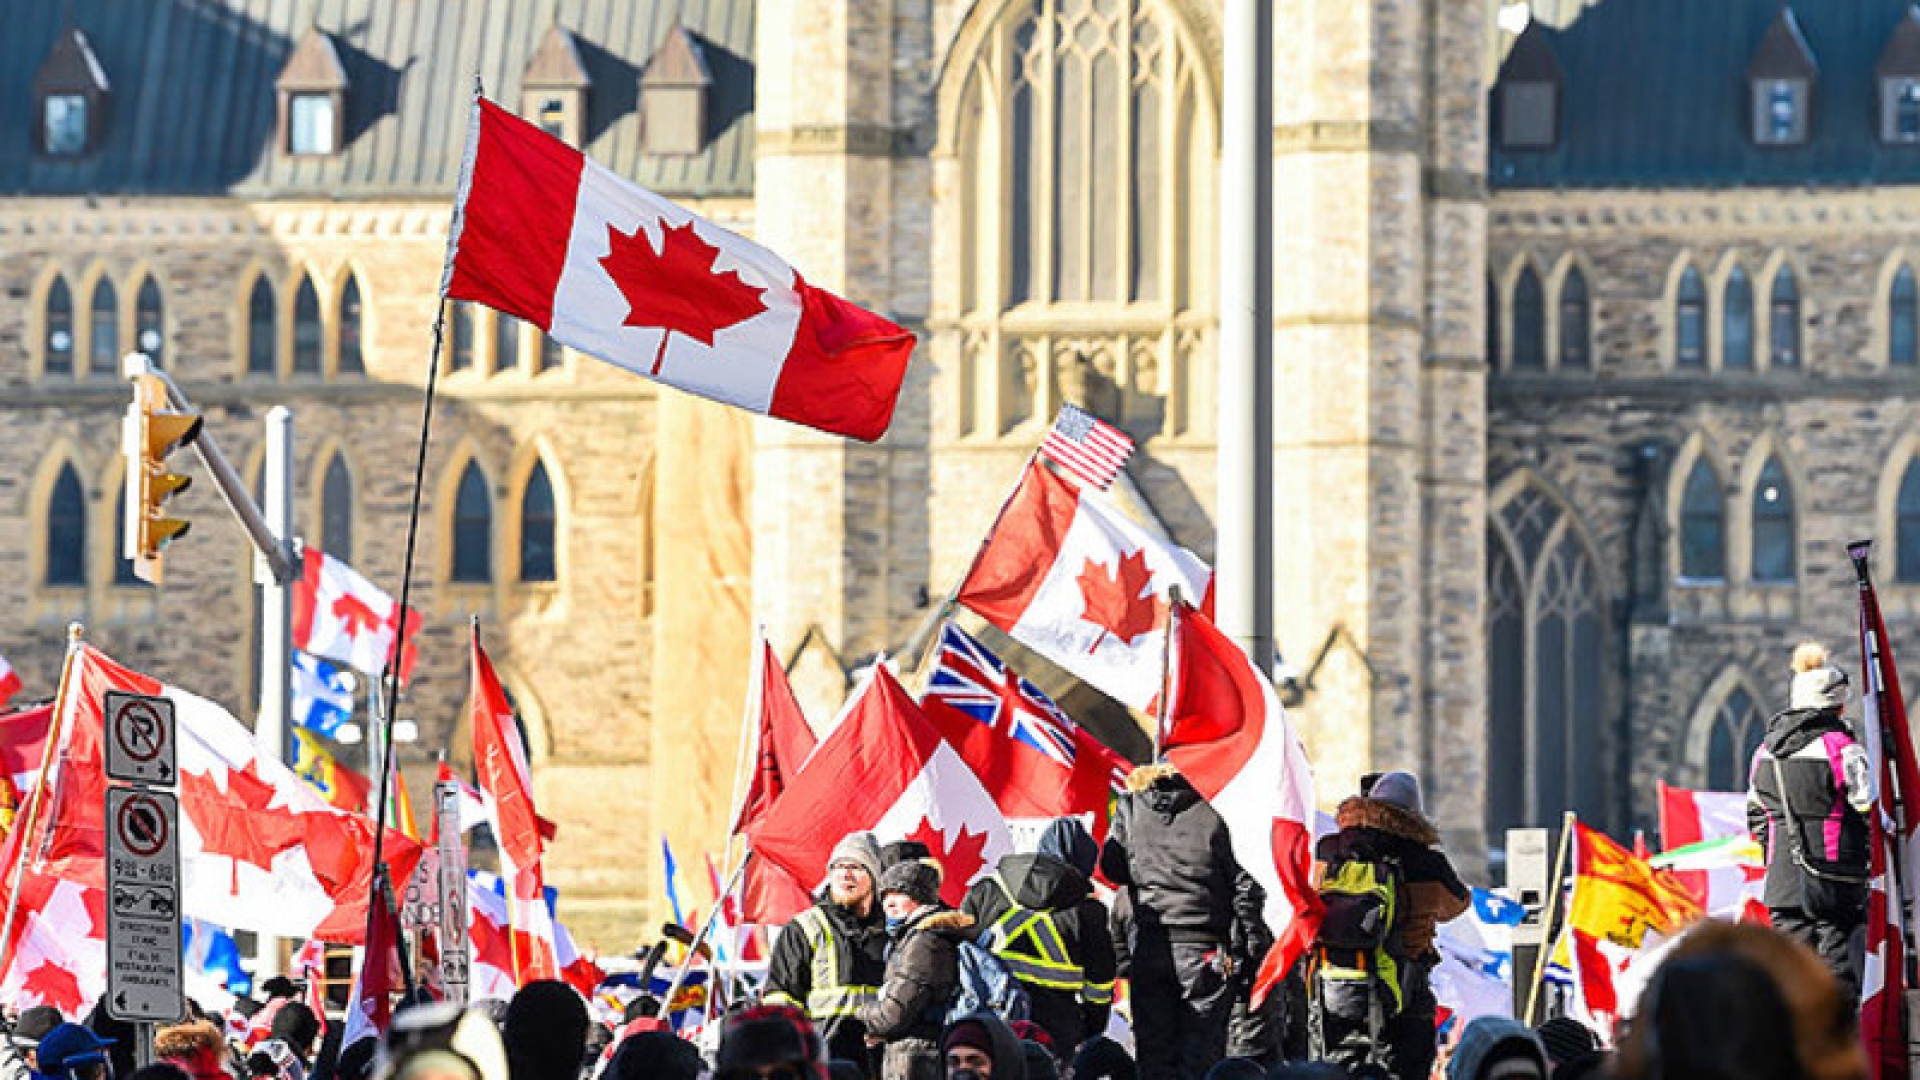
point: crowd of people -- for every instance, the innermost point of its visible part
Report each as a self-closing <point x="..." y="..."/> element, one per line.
<point x="881" y="980"/>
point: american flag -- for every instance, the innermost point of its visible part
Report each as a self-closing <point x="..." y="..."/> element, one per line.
<point x="975" y="682"/>
<point x="1090" y="449"/>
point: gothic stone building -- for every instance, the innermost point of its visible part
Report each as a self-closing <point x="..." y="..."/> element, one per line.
<point x="1496" y="565"/>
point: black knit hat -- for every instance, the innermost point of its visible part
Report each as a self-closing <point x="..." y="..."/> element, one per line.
<point x="918" y="881"/>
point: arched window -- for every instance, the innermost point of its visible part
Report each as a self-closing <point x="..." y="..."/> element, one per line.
<point x="537" y="522"/>
<point x="103" y="330"/>
<point x="1772" y="525"/>
<point x="1506" y="691"/>
<point x="1736" y="323"/>
<point x="1901" y="319"/>
<point x="1737" y="727"/>
<point x="261" y="328"/>
<point x="149" y="323"/>
<point x="306" y="329"/>
<point x="351" y="361"/>
<point x="473" y="527"/>
<point x="1529" y="322"/>
<point x="58" y="358"/>
<point x="1703" y="549"/>
<point x="1906" y="526"/>
<point x="1574" y="329"/>
<point x="1690" y="322"/>
<point x="551" y="356"/>
<point x="1783" y="320"/>
<point x="506" y="342"/>
<point x="336" y="510"/>
<point x="460" y="355"/>
<point x="1493" y="322"/>
<point x="67" y="530"/>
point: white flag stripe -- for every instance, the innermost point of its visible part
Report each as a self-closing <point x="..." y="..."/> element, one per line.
<point x="1088" y="448"/>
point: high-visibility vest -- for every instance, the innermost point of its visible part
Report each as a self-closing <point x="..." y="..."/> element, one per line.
<point x="1029" y="943"/>
<point x="828" y="997"/>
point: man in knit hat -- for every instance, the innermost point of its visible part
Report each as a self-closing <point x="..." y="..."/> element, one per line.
<point x="1809" y="792"/>
<point x="923" y="972"/>
<point x="830" y="959"/>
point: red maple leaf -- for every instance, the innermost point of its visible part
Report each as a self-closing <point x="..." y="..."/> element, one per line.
<point x="55" y="986"/>
<point x="240" y="822"/>
<point x="676" y="287"/>
<point x="491" y="945"/>
<point x="1114" y="600"/>
<point x="355" y="613"/>
<point x="959" y="864"/>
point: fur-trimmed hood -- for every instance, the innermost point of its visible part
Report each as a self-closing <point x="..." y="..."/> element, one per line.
<point x="1144" y="777"/>
<point x="1360" y="812"/>
<point x="943" y="919"/>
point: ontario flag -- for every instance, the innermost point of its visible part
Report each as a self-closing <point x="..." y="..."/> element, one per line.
<point x="1068" y="575"/>
<point x="782" y="741"/>
<point x="501" y="763"/>
<point x="885" y="770"/>
<point x="1227" y="734"/>
<point x="613" y="270"/>
<point x="1030" y="756"/>
<point x="1893" y="900"/>
<point x="339" y="615"/>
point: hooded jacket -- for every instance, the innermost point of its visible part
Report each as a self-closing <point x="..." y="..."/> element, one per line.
<point x="1056" y="881"/>
<point x="858" y="963"/>
<point x="1829" y="787"/>
<point x="1171" y="850"/>
<point x="1489" y="1040"/>
<point x="1009" y="1062"/>
<point x="1371" y="830"/>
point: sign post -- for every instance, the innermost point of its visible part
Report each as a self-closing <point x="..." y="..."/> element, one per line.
<point x="145" y="981"/>
<point x="452" y="867"/>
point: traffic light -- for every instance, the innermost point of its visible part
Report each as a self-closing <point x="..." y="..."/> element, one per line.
<point x="151" y="432"/>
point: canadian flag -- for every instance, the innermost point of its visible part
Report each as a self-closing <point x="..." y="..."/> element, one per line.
<point x="769" y="894"/>
<point x="613" y="270"/>
<point x="23" y="745"/>
<point x="1227" y="734"/>
<point x="9" y="681"/>
<point x="491" y="970"/>
<point x="501" y="762"/>
<point x="886" y="771"/>
<point x="339" y="615"/>
<point x="1069" y="576"/>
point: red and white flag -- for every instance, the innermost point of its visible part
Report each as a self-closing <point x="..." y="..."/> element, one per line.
<point x="501" y="763"/>
<point x="885" y="770"/>
<point x="376" y="978"/>
<point x="1893" y="899"/>
<point x="23" y="745"/>
<point x="1689" y="817"/>
<point x="9" y="681"/>
<point x="1069" y="576"/>
<point x="1227" y="734"/>
<point x="613" y="270"/>
<point x="1091" y="450"/>
<point x="339" y="615"/>
<point x="490" y="970"/>
<point x="769" y="894"/>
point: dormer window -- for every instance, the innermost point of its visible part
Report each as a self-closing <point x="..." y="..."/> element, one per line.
<point x="313" y="97"/>
<point x="71" y="89"/>
<point x="554" y="87"/>
<point x="1527" y="95"/>
<point x="673" y="96"/>
<point x="1780" y="77"/>
<point x="1898" y="75"/>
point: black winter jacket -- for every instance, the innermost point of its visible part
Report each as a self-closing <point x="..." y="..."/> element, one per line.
<point x="1171" y="851"/>
<point x="1372" y="831"/>
<point x="1044" y="883"/>
<point x="1829" y="821"/>
<point x="923" y="971"/>
<point x="860" y="959"/>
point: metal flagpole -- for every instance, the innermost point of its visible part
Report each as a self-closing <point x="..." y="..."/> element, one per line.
<point x="693" y="948"/>
<point x="276" y="625"/>
<point x="1174" y="604"/>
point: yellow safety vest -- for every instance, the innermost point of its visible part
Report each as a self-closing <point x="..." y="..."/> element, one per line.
<point x="828" y="997"/>
<point x="1029" y="943"/>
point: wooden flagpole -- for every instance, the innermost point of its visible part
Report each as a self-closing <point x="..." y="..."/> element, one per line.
<point x="1567" y="822"/>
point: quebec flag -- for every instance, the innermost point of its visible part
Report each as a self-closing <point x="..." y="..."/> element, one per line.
<point x="1475" y="974"/>
<point x="322" y="695"/>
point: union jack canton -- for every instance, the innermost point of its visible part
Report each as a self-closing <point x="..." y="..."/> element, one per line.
<point x="975" y="682"/>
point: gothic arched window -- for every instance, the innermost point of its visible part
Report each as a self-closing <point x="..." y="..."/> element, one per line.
<point x="1902" y="317"/>
<point x="1736" y="323"/>
<point x="1783" y="321"/>
<point x="1506" y="689"/>
<point x="537" y="527"/>
<point x="460" y="350"/>
<point x="506" y="342"/>
<point x="1738" y="725"/>
<point x="149" y="321"/>
<point x="1574" y="321"/>
<point x="352" y="362"/>
<point x="473" y="527"/>
<point x="67" y="530"/>
<point x="1493" y="322"/>
<point x="1690" y="321"/>
<point x="307" y="335"/>
<point x="103" y="330"/>
<point x="1703" y="547"/>
<point x="336" y="510"/>
<point x="261" y="329"/>
<point x="1529" y="322"/>
<point x="1906" y="526"/>
<point x="58" y="357"/>
<point x="1772" y="525"/>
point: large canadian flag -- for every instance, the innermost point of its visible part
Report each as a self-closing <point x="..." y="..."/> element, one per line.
<point x="342" y="616"/>
<point x="500" y="760"/>
<point x="782" y="741"/>
<point x="1227" y="734"/>
<point x="613" y="270"/>
<point x="1068" y="575"/>
<point x="885" y="770"/>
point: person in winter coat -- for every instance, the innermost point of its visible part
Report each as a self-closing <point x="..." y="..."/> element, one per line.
<point x="1808" y="795"/>
<point x="1386" y="826"/>
<point x="1496" y="1048"/>
<point x="982" y="1047"/>
<point x="1169" y="850"/>
<point x="830" y="959"/>
<point x="1038" y="914"/>
<point x="923" y="971"/>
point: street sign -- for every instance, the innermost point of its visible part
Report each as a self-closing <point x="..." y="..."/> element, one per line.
<point x="143" y="905"/>
<point x="140" y="744"/>
<point x="453" y="892"/>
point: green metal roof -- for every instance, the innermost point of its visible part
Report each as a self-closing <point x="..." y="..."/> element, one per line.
<point x="193" y="107"/>
<point x="1655" y="94"/>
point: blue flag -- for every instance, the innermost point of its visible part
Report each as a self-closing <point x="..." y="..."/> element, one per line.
<point x="322" y="695"/>
<point x="214" y="951"/>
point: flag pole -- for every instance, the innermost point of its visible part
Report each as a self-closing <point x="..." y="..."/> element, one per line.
<point x="1174" y="604"/>
<point x="693" y="948"/>
<point x="1567" y="821"/>
<point x="920" y="646"/>
<point x="750" y="710"/>
<point x="22" y="833"/>
<point x="1874" y="626"/>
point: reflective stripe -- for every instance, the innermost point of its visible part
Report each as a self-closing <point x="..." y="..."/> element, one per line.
<point x="829" y="997"/>
<point x="840" y="1001"/>
<point x="1097" y="993"/>
<point x="1046" y="964"/>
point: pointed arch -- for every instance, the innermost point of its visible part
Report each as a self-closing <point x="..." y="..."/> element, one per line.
<point x="309" y="331"/>
<point x="1896" y="322"/>
<point x="1728" y="720"/>
<point x="536" y="526"/>
<point x="336" y="504"/>
<point x="1686" y="312"/>
<point x="1897" y="508"/>
<point x="149" y="313"/>
<point x="1696" y="501"/>
<point x="1733" y="330"/>
<point x="54" y="334"/>
<point x="350" y="329"/>
<point x="259" y="323"/>
<point x="100" y="327"/>
<point x="64" y="517"/>
<point x="535" y="730"/>
<point x="1528" y="347"/>
<point x="1571" y="315"/>
<point x="468" y="498"/>
<point x="1766" y="545"/>
<point x="1783" y="331"/>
